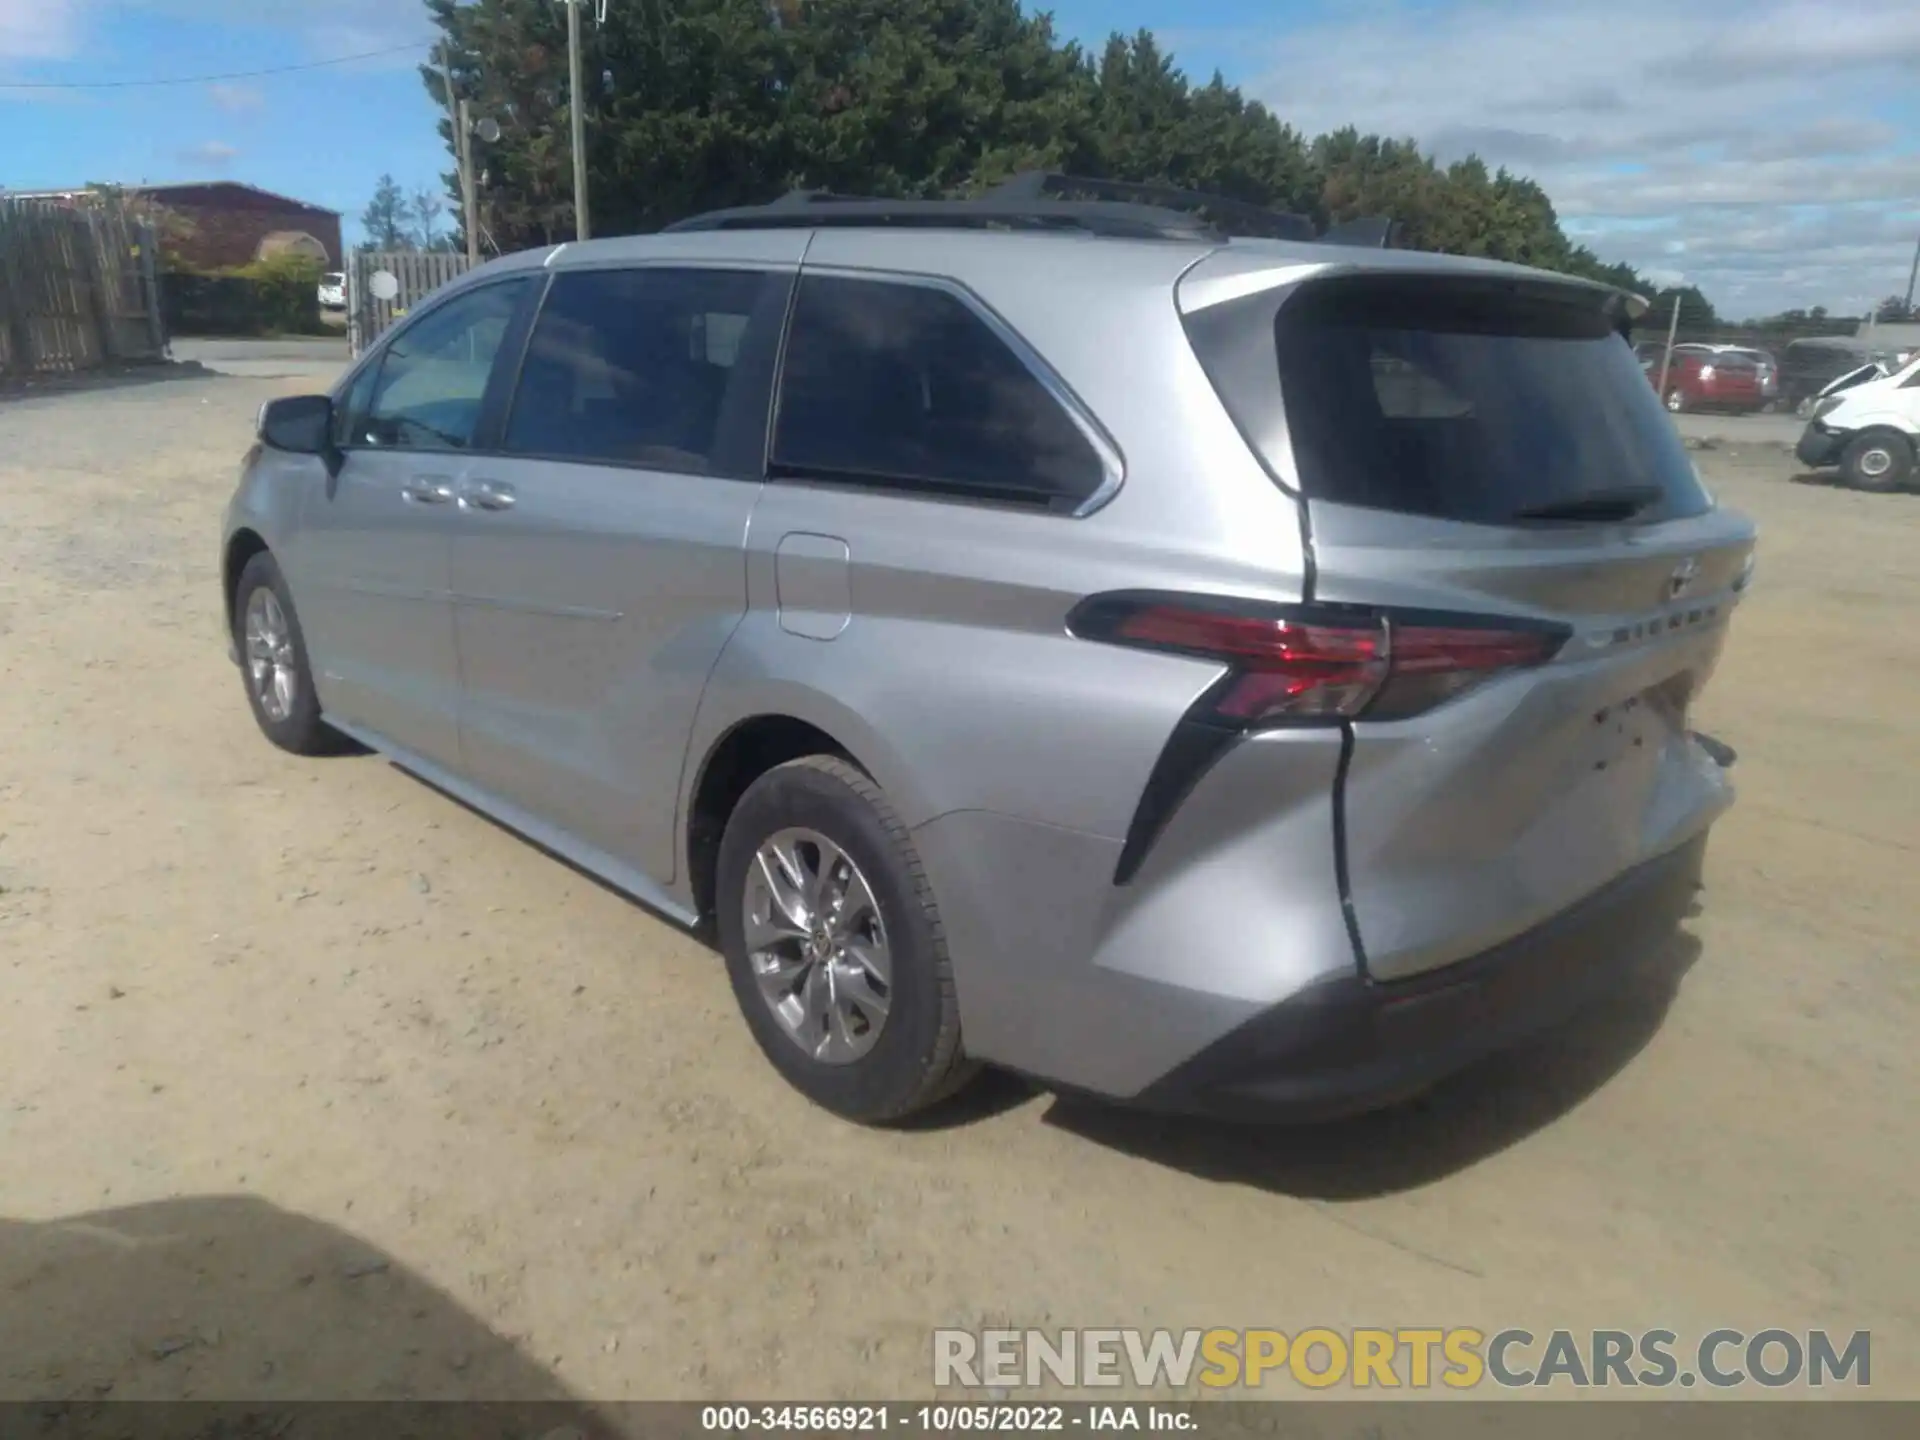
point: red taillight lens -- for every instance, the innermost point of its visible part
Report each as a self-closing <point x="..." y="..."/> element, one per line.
<point x="1299" y="664"/>
<point x="1432" y="664"/>
<point x="1287" y="668"/>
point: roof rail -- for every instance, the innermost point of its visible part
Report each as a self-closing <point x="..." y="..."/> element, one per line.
<point x="1047" y="200"/>
<point x="1240" y="217"/>
<point x="804" y="209"/>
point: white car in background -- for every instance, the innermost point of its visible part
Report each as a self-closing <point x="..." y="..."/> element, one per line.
<point x="333" y="291"/>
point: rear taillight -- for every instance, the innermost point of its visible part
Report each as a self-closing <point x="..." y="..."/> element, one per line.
<point x="1290" y="664"/>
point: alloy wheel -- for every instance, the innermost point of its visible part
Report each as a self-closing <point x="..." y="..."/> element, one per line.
<point x="817" y="946"/>
<point x="271" y="668"/>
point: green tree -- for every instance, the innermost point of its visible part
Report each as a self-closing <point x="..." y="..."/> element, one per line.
<point x="922" y="97"/>
<point x="388" y="218"/>
<point x="426" y="209"/>
<point x="699" y="104"/>
<point x="1144" y="121"/>
<point x="1697" y="314"/>
<point x="509" y="60"/>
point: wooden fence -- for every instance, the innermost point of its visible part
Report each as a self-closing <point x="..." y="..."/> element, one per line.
<point x="373" y="304"/>
<point x="77" y="288"/>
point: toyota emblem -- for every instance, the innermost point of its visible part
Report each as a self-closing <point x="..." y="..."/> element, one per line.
<point x="1681" y="581"/>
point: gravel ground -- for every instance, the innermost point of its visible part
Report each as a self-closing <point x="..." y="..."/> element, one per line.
<point x="317" y="1084"/>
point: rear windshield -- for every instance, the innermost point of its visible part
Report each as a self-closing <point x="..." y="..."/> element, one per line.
<point x="1472" y="402"/>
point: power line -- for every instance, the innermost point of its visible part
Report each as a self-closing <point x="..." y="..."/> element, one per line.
<point x="206" y="79"/>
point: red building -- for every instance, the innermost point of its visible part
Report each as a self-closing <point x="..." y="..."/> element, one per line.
<point x="230" y="224"/>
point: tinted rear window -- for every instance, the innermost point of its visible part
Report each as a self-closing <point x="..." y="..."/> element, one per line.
<point x="899" y="385"/>
<point x="1470" y="402"/>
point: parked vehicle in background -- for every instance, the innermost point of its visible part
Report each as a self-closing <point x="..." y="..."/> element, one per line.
<point x="1867" y="424"/>
<point x="1705" y="377"/>
<point x="1808" y="366"/>
<point x="333" y="291"/>
<point x="1220" y="673"/>
<point x="1765" y="366"/>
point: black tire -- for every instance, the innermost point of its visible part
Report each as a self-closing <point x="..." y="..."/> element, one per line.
<point x="1677" y="402"/>
<point x="1878" y="461"/>
<point x="301" y="731"/>
<point x="917" y="1059"/>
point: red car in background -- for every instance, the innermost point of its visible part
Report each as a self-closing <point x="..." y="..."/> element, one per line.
<point x="1707" y="377"/>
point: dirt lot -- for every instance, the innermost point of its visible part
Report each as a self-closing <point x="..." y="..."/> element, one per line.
<point x="314" y="1083"/>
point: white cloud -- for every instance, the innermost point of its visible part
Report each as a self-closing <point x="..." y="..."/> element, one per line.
<point x="236" y="98"/>
<point x="1761" y="138"/>
<point x="209" y="155"/>
<point x="37" y="29"/>
<point x="325" y="31"/>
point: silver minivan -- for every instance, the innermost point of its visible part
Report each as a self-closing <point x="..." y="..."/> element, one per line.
<point x="1230" y="673"/>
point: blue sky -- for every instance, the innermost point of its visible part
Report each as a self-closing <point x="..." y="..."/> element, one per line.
<point x="1769" y="152"/>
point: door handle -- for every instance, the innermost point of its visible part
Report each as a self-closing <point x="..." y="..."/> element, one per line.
<point x="488" y="495"/>
<point x="427" y="490"/>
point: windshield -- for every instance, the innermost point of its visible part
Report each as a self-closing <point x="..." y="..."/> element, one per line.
<point x="1472" y="401"/>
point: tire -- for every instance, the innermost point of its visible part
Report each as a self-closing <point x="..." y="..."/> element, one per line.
<point x="914" y="1057"/>
<point x="299" y="730"/>
<point x="1878" y="461"/>
<point x="1677" y="402"/>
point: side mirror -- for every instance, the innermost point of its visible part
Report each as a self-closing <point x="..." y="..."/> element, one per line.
<point x="299" y="424"/>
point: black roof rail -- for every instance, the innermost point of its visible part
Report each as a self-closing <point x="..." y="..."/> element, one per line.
<point x="799" y="199"/>
<point x="1048" y="200"/>
<point x="812" y="209"/>
<point x="1239" y="216"/>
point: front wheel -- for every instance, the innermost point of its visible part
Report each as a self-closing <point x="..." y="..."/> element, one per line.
<point x="273" y="662"/>
<point x="1878" y="461"/>
<point x="834" y="944"/>
<point x="1677" y="401"/>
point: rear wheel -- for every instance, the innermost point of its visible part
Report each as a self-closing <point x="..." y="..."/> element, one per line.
<point x="1677" y="401"/>
<point x="834" y="944"/>
<point x="1879" y="461"/>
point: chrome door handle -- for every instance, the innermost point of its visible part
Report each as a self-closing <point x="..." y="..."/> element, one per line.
<point x="488" y="495"/>
<point x="427" y="490"/>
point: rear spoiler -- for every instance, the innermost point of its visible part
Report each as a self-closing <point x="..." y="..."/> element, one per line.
<point x="1627" y="308"/>
<point x="1374" y="232"/>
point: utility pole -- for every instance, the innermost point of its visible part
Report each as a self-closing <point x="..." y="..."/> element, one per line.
<point x="581" y="228"/>
<point x="1912" y="274"/>
<point x="469" y="191"/>
<point x="461" y="114"/>
<point x="1666" y="359"/>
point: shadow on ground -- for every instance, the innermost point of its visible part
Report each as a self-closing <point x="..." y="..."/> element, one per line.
<point x="231" y="1299"/>
<point x="86" y="382"/>
<point x="1834" y="480"/>
<point x="1479" y="1113"/>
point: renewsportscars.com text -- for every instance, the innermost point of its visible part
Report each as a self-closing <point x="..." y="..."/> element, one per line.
<point x="1460" y="1358"/>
